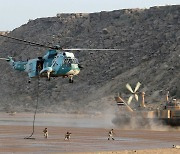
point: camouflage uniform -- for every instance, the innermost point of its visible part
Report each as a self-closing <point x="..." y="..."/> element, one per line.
<point x="110" y="134"/>
<point x="45" y="131"/>
<point x="67" y="136"/>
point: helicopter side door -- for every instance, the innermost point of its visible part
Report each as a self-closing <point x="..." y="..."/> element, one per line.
<point x="32" y="68"/>
<point x="57" y="63"/>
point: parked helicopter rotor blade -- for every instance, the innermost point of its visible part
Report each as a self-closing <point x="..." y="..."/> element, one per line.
<point x="137" y="86"/>
<point x="129" y="87"/>
<point x="130" y="99"/>
<point x="83" y="49"/>
<point x="136" y="97"/>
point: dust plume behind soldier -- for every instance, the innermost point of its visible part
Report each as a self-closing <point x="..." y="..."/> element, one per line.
<point x="111" y="134"/>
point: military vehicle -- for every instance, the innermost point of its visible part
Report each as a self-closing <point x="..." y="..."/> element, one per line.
<point x="143" y="116"/>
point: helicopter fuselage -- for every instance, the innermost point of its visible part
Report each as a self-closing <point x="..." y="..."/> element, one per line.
<point x="52" y="64"/>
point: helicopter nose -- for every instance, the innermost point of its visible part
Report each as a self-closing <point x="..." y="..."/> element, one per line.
<point x="80" y="66"/>
<point x="74" y="72"/>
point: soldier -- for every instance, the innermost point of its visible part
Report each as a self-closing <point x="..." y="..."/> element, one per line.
<point x="67" y="136"/>
<point x="110" y="134"/>
<point x="45" y="131"/>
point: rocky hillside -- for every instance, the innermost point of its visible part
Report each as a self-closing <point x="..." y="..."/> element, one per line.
<point x="150" y="39"/>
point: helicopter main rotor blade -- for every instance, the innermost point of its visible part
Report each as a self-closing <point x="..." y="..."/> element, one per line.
<point x="30" y="43"/>
<point x="56" y="47"/>
<point x="137" y="86"/>
<point x="81" y="49"/>
<point x="129" y="87"/>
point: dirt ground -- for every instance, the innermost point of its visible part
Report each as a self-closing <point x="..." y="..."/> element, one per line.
<point x="87" y="136"/>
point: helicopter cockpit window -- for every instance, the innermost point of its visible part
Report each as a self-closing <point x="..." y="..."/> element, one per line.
<point x="75" y="61"/>
<point x="70" y="61"/>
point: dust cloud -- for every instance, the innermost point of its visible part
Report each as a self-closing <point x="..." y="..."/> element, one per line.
<point x="94" y="120"/>
<point x="128" y="122"/>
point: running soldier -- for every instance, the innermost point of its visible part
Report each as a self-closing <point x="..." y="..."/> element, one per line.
<point x="45" y="131"/>
<point x="110" y="134"/>
<point x="67" y="136"/>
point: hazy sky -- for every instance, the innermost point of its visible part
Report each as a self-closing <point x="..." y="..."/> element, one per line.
<point x="14" y="13"/>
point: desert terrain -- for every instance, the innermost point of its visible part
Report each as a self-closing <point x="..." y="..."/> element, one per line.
<point x="149" y="54"/>
<point x="89" y="135"/>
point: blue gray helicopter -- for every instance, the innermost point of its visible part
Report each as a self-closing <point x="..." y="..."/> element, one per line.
<point x="55" y="63"/>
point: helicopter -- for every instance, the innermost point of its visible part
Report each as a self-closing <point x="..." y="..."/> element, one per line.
<point x="57" y="62"/>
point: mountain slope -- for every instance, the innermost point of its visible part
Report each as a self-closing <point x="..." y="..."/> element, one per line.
<point x="151" y="54"/>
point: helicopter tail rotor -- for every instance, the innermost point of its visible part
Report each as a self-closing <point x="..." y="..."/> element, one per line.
<point x="8" y="59"/>
<point x="4" y="59"/>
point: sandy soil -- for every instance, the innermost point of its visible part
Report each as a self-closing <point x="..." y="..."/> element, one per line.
<point x="87" y="136"/>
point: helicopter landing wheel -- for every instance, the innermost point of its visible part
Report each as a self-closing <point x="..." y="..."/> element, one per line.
<point x="48" y="76"/>
<point x="71" y="81"/>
